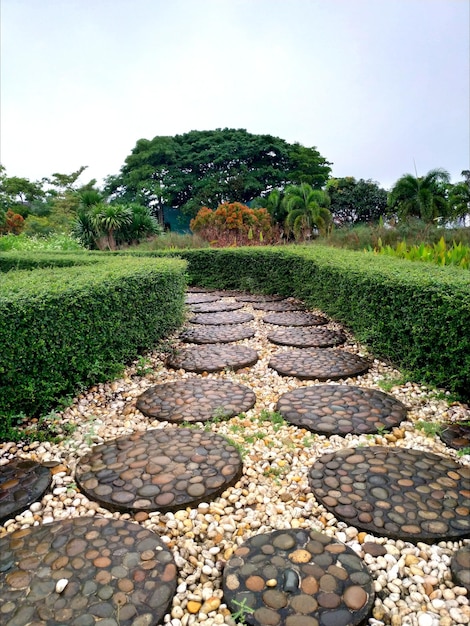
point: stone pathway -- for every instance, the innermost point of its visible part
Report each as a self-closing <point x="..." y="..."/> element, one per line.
<point x="221" y="318"/>
<point x="295" y="318"/>
<point x="84" y="572"/>
<point x="307" y="337"/>
<point x="276" y="525"/>
<point x="318" y="364"/>
<point x="405" y="494"/>
<point x="456" y="435"/>
<point x="159" y="470"/>
<point x="21" y="483"/>
<point x="224" y="333"/>
<point x="196" y="400"/>
<point x="341" y="409"/>
<point x="298" y="578"/>
<point x="213" y="358"/>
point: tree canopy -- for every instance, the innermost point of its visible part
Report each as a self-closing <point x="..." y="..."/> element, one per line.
<point x="421" y="196"/>
<point x="208" y="168"/>
<point x="354" y="201"/>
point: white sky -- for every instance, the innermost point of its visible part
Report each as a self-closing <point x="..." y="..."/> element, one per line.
<point x="376" y="86"/>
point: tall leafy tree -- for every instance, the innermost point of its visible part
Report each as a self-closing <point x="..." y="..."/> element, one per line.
<point x="355" y="201"/>
<point x="208" y="168"/>
<point x="424" y="197"/>
<point x="307" y="210"/>
<point x="459" y="197"/>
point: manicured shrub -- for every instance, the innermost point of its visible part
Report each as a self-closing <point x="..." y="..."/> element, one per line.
<point x="64" y="329"/>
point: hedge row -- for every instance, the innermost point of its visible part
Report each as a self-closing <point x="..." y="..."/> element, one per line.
<point x="64" y="329"/>
<point x="35" y="260"/>
<point x="415" y="315"/>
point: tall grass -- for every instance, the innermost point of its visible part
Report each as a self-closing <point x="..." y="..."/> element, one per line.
<point x="172" y="241"/>
<point x="25" y="243"/>
<point x="414" y="232"/>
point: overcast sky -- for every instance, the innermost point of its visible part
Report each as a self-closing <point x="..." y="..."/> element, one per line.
<point x="377" y="86"/>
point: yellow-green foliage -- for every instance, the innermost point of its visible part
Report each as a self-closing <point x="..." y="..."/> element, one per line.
<point x="456" y="254"/>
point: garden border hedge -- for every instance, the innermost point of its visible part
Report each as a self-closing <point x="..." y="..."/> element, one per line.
<point x="64" y="329"/>
<point x="415" y="315"/>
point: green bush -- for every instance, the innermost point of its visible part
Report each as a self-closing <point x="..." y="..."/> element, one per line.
<point x="415" y="315"/>
<point x="64" y="329"/>
<point x="16" y="260"/>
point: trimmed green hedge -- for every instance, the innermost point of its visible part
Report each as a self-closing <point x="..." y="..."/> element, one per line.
<point x="415" y="315"/>
<point x="66" y="328"/>
<point x="35" y="260"/>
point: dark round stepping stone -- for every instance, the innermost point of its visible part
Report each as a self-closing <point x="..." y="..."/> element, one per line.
<point x="213" y="358"/>
<point x="319" y="364"/>
<point x="221" y="318"/>
<point x="456" y="435"/>
<point x="114" y="572"/>
<point x="279" y="306"/>
<point x="297" y="578"/>
<point x="223" y="333"/>
<point x="159" y="469"/>
<point x="215" y="307"/>
<point x="460" y="567"/>
<point x="258" y="298"/>
<point x="200" y="298"/>
<point x="396" y="492"/>
<point x="340" y="409"/>
<point x="195" y="400"/>
<point x="307" y="337"/>
<point x="295" y="318"/>
<point x="22" y="482"/>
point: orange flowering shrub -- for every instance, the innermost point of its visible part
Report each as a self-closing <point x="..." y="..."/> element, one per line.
<point x="232" y="224"/>
<point x="13" y="224"/>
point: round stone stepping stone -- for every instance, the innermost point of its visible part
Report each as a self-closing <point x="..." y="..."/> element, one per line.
<point x="258" y="298"/>
<point x="221" y="318"/>
<point x="297" y="578"/>
<point x="307" y="337"/>
<point x="318" y="364"/>
<point x="215" y="307"/>
<point x="213" y="358"/>
<point x="396" y="492"/>
<point x="456" y="435"/>
<point x="159" y="469"/>
<point x="85" y="571"/>
<point x="22" y="482"/>
<point x="199" y="298"/>
<point x="460" y="567"/>
<point x="341" y="409"/>
<point x="223" y="333"/>
<point x="279" y="306"/>
<point x="195" y="400"/>
<point x="295" y="318"/>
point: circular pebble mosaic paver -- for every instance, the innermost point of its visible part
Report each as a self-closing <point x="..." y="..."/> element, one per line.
<point x="298" y="578"/>
<point x="460" y="567"/>
<point x="215" y="307"/>
<point x="307" y="337"/>
<point x="195" y="400"/>
<point x="318" y="363"/>
<point x="221" y="318"/>
<point x="279" y="306"/>
<point x="200" y="298"/>
<point x="213" y="358"/>
<point x="22" y="482"/>
<point x="400" y="493"/>
<point x="341" y="409"/>
<point x="295" y="318"/>
<point x="85" y="571"/>
<point x="456" y="435"/>
<point x="258" y="298"/>
<point x="223" y="333"/>
<point x="159" y="469"/>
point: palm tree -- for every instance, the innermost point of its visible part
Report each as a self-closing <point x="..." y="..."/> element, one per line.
<point x="307" y="209"/>
<point x="421" y="196"/>
<point x="108" y="218"/>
